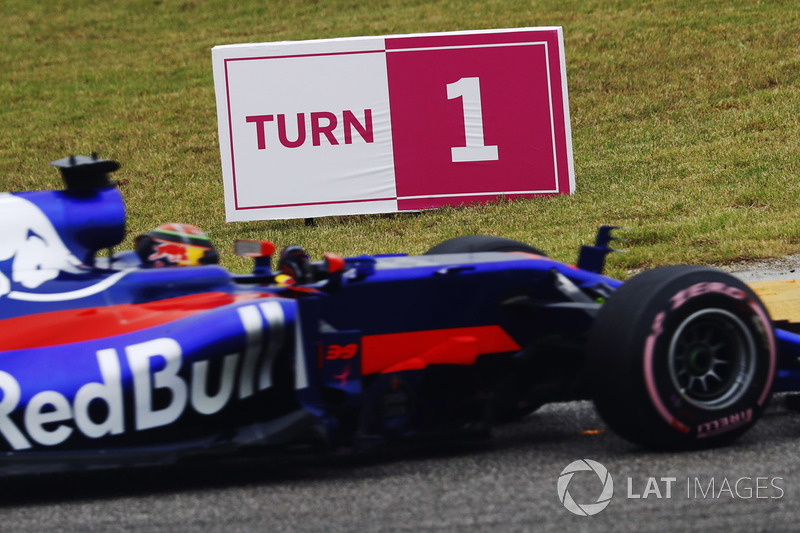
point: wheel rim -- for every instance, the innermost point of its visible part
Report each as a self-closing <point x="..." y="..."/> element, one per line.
<point x="712" y="359"/>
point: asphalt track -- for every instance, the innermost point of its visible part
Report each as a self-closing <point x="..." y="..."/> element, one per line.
<point x="506" y="483"/>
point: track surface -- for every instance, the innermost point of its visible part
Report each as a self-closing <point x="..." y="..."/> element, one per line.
<point x="507" y="483"/>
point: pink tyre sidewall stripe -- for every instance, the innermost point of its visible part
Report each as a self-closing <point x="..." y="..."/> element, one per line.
<point x="649" y="377"/>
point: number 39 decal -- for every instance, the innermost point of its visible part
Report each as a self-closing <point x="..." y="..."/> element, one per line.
<point x="339" y="351"/>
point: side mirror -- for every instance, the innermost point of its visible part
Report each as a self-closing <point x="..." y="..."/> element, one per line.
<point x="260" y="251"/>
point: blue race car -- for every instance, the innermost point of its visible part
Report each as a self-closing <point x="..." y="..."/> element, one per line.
<point x="156" y="354"/>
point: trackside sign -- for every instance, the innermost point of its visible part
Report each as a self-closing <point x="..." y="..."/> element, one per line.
<point x="393" y="123"/>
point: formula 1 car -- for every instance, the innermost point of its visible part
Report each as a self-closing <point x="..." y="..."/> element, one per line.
<point x="130" y="359"/>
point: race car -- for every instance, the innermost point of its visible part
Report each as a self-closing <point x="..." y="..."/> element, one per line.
<point x="156" y="354"/>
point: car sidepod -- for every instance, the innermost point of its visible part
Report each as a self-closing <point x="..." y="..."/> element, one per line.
<point x="219" y="371"/>
<point x="442" y="344"/>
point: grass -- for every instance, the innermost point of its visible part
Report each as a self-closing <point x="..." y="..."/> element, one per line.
<point x="684" y="119"/>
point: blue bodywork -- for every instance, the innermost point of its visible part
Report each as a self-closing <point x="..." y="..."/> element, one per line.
<point x="788" y="377"/>
<point x="107" y="362"/>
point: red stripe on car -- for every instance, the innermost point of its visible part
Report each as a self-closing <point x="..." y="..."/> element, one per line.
<point x="78" y="325"/>
<point x="454" y="346"/>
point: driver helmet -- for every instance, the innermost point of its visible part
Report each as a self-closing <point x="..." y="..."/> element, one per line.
<point x="176" y="245"/>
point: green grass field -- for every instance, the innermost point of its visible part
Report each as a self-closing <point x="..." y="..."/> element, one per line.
<point x="684" y="118"/>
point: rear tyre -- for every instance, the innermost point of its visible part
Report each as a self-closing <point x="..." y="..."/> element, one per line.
<point x="481" y="243"/>
<point x="681" y="357"/>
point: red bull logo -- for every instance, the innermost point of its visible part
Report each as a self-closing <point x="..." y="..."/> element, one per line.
<point x="169" y="252"/>
<point x="173" y="253"/>
<point x="32" y="246"/>
<point x="175" y="245"/>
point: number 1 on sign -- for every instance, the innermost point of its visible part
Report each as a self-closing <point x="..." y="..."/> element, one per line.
<point x="469" y="90"/>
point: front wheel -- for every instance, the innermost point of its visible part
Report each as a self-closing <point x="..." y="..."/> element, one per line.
<point x="681" y="357"/>
<point x="481" y="243"/>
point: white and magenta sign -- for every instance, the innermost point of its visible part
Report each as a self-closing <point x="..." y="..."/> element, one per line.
<point x="394" y="123"/>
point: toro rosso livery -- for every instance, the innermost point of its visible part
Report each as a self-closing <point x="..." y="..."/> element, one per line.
<point x="133" y="358"/>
